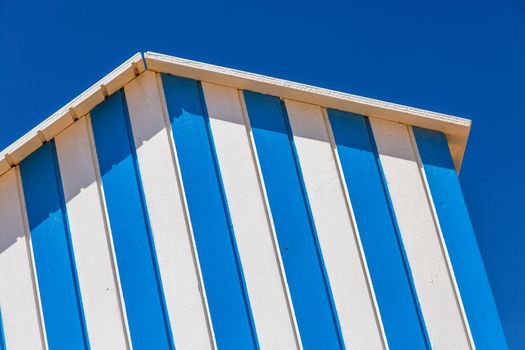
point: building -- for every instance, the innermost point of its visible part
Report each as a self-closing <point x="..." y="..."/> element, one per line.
<point x="176" y="204"/>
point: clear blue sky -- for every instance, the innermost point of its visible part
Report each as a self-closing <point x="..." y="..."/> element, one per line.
<point x="465" y="58"/>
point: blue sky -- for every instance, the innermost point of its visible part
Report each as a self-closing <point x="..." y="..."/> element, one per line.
<point x="464" y="58"/>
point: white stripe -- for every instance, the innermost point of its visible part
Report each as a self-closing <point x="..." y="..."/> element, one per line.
<point x="427" y="260"/>
<point x="258" y="249"/>
<point x="90" y="239"/>
<point x="18" y="297"/>
<point x="351" y="291"/>
<point x="171" y="234"/>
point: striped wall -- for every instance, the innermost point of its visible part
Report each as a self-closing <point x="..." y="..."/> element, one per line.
<point x="181" y="214"/>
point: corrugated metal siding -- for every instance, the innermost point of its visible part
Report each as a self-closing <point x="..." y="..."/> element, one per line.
<point x="185" y="214"/>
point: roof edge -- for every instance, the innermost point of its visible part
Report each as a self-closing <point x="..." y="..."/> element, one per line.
<point x="456" y="129"/>
<point x="68" y="114"/>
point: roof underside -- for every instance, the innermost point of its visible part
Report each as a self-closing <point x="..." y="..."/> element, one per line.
<point x="456" y="129"/>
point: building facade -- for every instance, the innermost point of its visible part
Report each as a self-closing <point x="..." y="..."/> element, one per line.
<point x="181" y="205"/>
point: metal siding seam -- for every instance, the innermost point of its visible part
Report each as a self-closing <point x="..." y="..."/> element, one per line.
<point x="109" y="234"/>
<point x="443" y="244"/>
<point x="269" y="217"/>
<point x="36" y="212"/>
<point x="121" y="177"/>
<point x="420" y="237"/>
<point x="340" y="251"/>
<point x="20" y="310"/>
<point x="187" y="220"/>
<point x="89" y="234"/>
<point x="31" y="259"/>
<point x="186" y="309"/>
<point x="398" y="234"/>
<point x="312" y="327"/>
<point x="195" y="124"/>
<point x="252" y="230"/>
<point x="460" y="239"/>
<point x="374" y="216"/>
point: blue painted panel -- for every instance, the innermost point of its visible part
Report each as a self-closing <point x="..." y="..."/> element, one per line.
<point x="302" y="259"/>
<point x="2" y="337"/>
<point x="128" y="218"/>
<point x="218" y="256"/>
<point x="53" y="253"/>
<point x="382" y="244"/>
<point x="460" y="240"/>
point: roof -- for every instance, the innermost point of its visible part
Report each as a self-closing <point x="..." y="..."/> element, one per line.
<point x="456" y="129"/>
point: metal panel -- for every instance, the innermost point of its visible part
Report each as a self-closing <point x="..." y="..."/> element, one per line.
<point x="105" y="319"/>
<point x="142" y="290"/>
<point x="383" y="248"/>
<point x="18" y="295"/>
<point x="432" y="279"/>
<point x="51" y="241"/>
<point x="341" y="247"/>
<point x="216" y="245"/>
<point x="170" y="227"/>
<point x="309" y="287"/>
<point x="460" y="239"/>
<point x="252" y="225"/>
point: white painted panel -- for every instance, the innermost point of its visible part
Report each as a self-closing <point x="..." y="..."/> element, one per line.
<point x="255" y="238"/>
<point x="171" y="232"/>
<point x="105" y="320"/>
<point x="344" y="261"/>
<point x="18" y="296"/>
<point x="425" y="252"/>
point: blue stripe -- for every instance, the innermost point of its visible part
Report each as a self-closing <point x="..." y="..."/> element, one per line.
<point x="53" y="253"/>
<point x="137" y="264"/>
<point x="460" y="240"/>
<point x="302" y="259"/>
<point x="378" y="230"/>
<point x="2" y="337"/>
<point x="218" y="256"/>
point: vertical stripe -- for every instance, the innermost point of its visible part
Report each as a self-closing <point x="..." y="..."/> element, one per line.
<point x="383" y="248"/>
<point x="18" y="295"/>
<point x="2" y="337"/>
<point x="54" y="260"/>
<point x="253" y="230"/>
<point x="432" y="278"/>
<point x="216" y="245"/>
<point x="360" y="324"/>
<point x="143" y="297"/>
<point x="177" y="262"/>
<point x="294" y="226"/>
<point x="89" y="236"/>
<point x="460" y="239"/>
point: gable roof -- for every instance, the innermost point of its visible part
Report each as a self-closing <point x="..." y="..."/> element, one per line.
<point x="456" y="129"/>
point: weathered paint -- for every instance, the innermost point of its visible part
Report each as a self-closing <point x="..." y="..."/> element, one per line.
<point x="383" y="249"/>
<point x="51" y="242"/>
<point x="210" y="218"/>
<point x="460" y="239"/>
<point x="303" y="262"/>
<point x="141" y="287"/>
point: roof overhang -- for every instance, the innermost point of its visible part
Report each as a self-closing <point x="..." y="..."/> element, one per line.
<point x="456" y="129"/>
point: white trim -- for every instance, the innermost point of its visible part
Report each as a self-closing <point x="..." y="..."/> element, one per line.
<point x="456" y="129"/>
<point x="67" y="115"/>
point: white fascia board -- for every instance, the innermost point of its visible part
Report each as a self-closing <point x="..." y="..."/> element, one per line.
<point x="65" y="116"/>
<point x="456" y="129"/>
